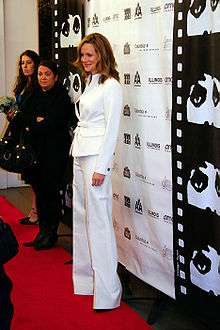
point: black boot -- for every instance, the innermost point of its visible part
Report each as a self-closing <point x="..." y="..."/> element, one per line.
<point x="48" y="241"/>
<point x="40" y="236"/>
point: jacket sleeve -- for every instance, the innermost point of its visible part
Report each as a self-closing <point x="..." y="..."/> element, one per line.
<point x="60" y="113"/>
<point x="112" y="113"/>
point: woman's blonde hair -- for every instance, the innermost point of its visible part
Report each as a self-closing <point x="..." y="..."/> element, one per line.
<point x="106" y="65"/>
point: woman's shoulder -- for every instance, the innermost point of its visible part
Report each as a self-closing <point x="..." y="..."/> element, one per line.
<point x="60" y="89"/>
<point x="60" y="93"/>
<point x="112" y="86"/>
<point x="112" y="83"/>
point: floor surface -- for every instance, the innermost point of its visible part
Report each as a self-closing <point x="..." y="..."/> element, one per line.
<point x="154" y="306"/>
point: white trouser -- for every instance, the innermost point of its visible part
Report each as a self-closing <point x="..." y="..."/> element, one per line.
<point x="94" y="246"/>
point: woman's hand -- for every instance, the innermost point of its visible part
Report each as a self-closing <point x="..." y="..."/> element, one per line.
<point x="10" y="114"/>
<point x="39" y="119"/>
<point x="97" y="179"/>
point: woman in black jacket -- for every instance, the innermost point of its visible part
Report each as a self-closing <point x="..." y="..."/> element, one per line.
<point x="47" y="120"/>
<point x="26" y="83"/>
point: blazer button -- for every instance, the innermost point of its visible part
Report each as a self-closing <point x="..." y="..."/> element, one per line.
<point x="108" y="169"/>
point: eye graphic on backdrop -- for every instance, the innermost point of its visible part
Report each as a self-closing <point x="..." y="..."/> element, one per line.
<point x="71" y="32"/>
<point x="74" y="86"/>
<point x="203" y="188"/>
<point x="197" y="7"/>
<point x="203" y="103"/>
<point x="214" y="4"/>
<point x="203" y="17"/>
<point x="204" y="270"/>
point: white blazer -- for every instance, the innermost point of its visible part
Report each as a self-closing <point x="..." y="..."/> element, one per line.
<point x="99" y="115"/>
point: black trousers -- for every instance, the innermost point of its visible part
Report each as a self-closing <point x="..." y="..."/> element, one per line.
<point x="6" y="307"/>
<point x="49" y="206"/>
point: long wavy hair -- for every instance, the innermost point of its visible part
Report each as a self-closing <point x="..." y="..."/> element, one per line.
<point x="106" y="64"/>
<point x="22" y="83"/>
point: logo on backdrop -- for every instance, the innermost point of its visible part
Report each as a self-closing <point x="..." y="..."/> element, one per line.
<point x="155" y="80"/>
<point x="167" y="148"/>
<point x="153" y="146"/>
<point x="144" y="178"/>
<point x="142" y="47"/>
<point x="137" y="79"/>
<point x="138" y="207"/>
<point x="116" y="224"/>
<point x="95" y="21"/>
<point x="127" y="201"/>
<point x="167" y="253"/>
<point x="138" y="12"/>
<point x="166" y="184"/>
<point x="115" y="17"/>
<point x="71" y="31"/>
<point x="127" y="14"/>
<point x="144" y="113"/>
<point x="127" y="138"/>
<point x="142" y="240"/>
<point x="127" y="49"/>
<point x="155" y="10"/>
<point x="127" y="233"/>
<point x="168" y="114"/>
<point x="167" y="218"/>
<point x="153" y="214"/>
<point x="127" y="111"/>
<point x="169" y="6"/>
<point x="137" y="142"/>
<point x="167" y="44"/>
<point x="115" y="167"/>
<point x="168" y="80"/>
<point x="116" y="196"/>
<point x="126" y="172"/>
<point x="107" y="19"/>
<point x="127" y="78"/>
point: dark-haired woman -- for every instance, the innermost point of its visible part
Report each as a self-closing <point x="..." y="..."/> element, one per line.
<point x="94" y="246"/>
<point x="48" y="124"/>
<point x="25" y="85"/>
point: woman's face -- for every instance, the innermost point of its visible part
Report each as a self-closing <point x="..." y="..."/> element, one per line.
<point x="46" y="78"/>
<point x="27" y="66"/>
<point x="89" y="58"/>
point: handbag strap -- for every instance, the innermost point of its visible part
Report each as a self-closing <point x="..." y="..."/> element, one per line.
<point x="6" y="133"/>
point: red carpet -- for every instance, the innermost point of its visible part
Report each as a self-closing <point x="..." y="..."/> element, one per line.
<point x="42" y="292"/>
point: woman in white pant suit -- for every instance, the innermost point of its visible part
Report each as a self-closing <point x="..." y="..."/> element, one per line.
<point x="94" y="246"/>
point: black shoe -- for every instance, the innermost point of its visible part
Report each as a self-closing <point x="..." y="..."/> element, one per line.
<point x="46" y="243"/>
<point x="26" y="221"/>
<point x="37" y="239"/>
<point x="103" y="310"/>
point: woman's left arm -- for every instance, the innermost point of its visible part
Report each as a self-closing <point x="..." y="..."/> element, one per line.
<point x="60" y="113"/>
<point x="112" y="111"/>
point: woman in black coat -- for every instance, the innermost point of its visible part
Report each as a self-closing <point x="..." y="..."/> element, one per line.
<point x="26" y="83"/>
<point x="47" y="120"/>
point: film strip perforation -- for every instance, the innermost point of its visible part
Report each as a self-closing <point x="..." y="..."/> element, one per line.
<point x="55" y="29"/>
<point x="178" y="99"/>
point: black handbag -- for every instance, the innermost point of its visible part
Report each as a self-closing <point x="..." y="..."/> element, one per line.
<point x="8" y="243"/>
<point x="16" y="156"/>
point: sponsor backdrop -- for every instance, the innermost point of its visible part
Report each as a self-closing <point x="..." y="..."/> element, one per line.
<point x="196" y="156"/>
<point x="141" y="35"/>
<point x="160" y="202"/>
